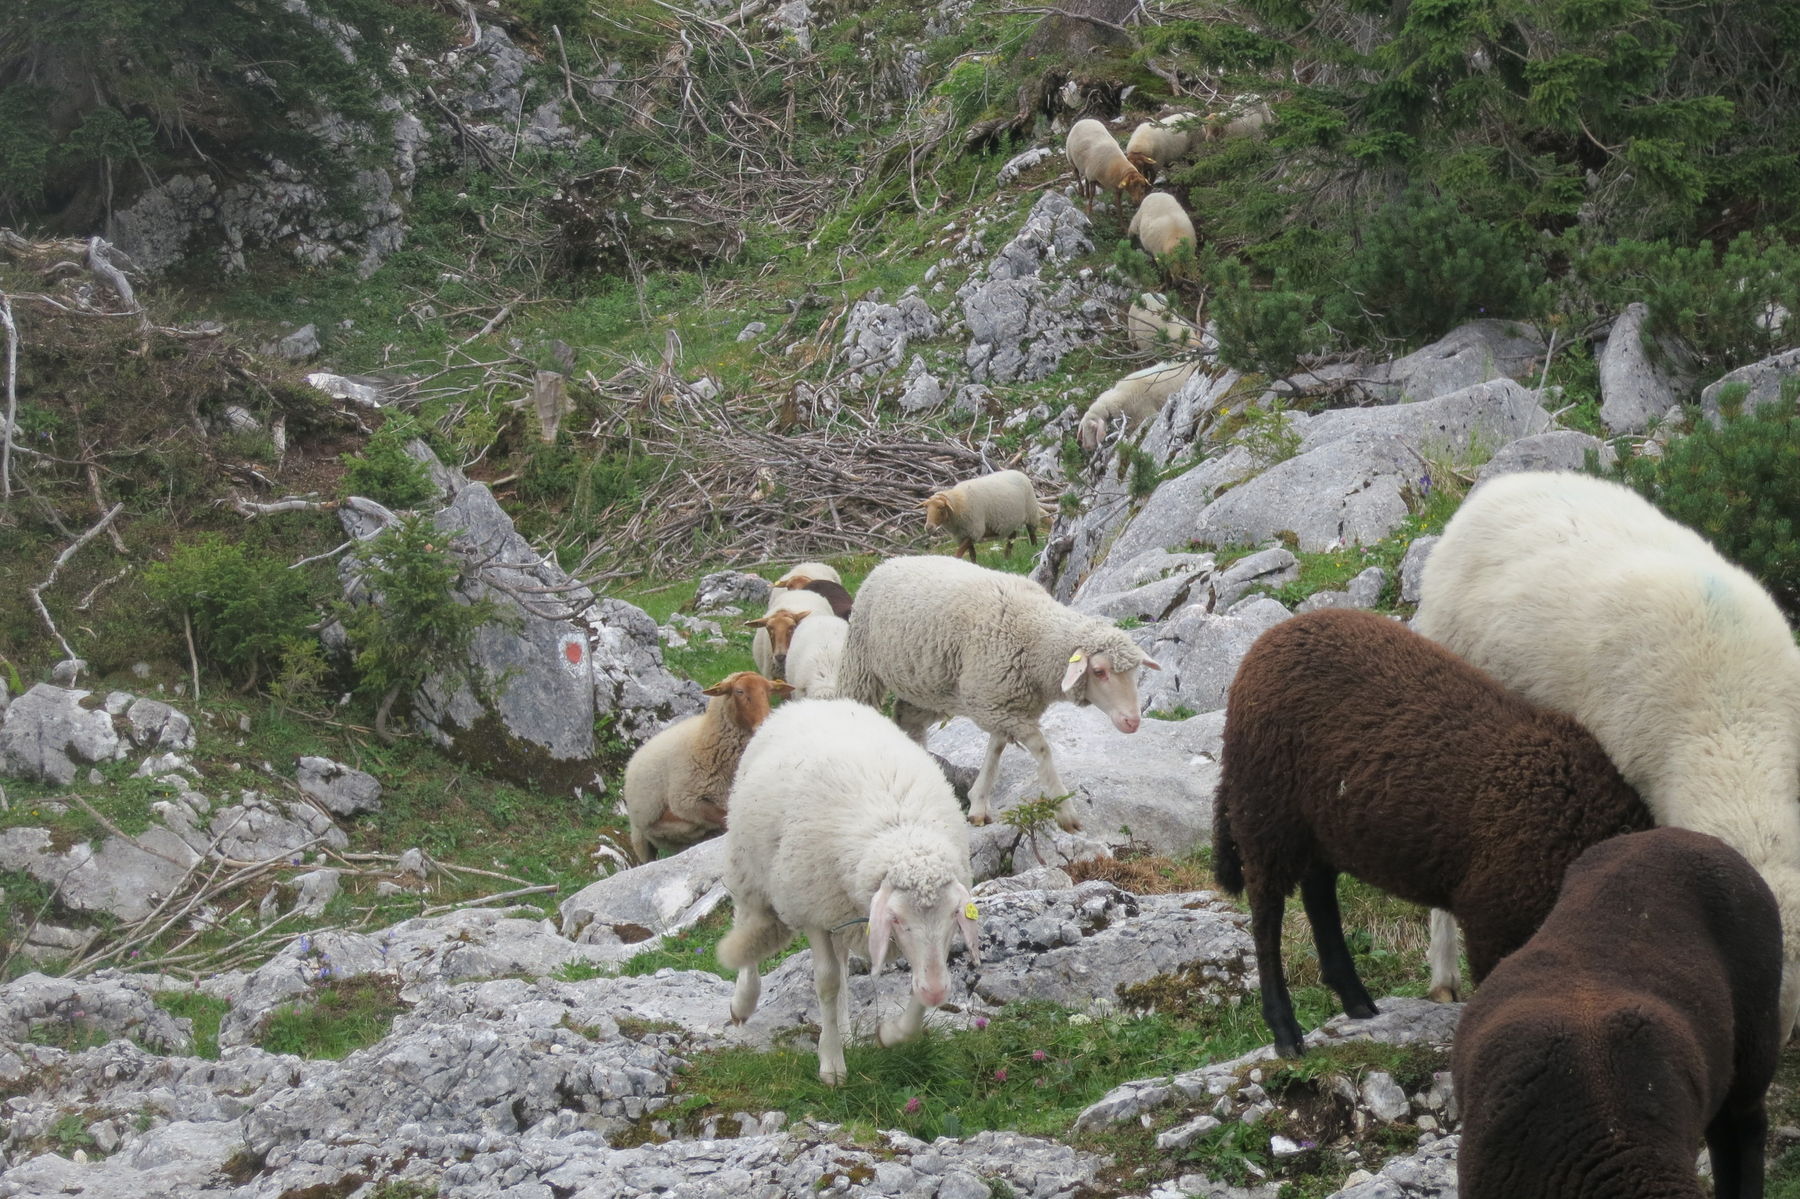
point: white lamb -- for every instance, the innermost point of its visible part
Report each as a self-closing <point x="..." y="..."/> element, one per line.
<point x="1150" y="326"/>
<point x="1583" y="597"/>
<point x="814" y="655"/>
<point x="993" y="505"/>
<point x="1137" y="397"/>
<point x="1162" y="225"/>
<point x="835" y="819"/>
<point x="812" y="570"/>
<point x="948" y="638"/>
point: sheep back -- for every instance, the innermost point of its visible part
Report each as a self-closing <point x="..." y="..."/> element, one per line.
<point x="1161" y="224"/>
<point x="821" y="785"/>
<point x="815" y="654"/>
<point x="951" y="637"/>
<point x="1641" y="1016"/>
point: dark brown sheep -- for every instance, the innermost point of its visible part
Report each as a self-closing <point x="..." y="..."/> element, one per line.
<point x="833" y="591"/>
<point x="1642" y="1017"/>
<point x="1353" y="745"/>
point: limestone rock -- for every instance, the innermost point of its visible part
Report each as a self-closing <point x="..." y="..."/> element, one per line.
<point x="1428" y="1174"/>
<point x="1200" y="650"/>
<point x="663" y="896"/>
<point x="345" y="790"/>
<point x="117" y="877"/>
<point x="1412" y="566"/>
<point x="1560" y="449"/>
<point x="1474" y="353"/>
<point x="876" y="335"/>
<point x="731" y="589"/>
<point x="1761" y="383"/>
<point x="47" y="731"/>
<point x="1638" y="385"/>
<point x="111" y="1002"/>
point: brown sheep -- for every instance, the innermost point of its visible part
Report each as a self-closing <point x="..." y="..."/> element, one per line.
<point x="1354" y="745"/>
<point x="677" y="783"/>
<point x="1641" y="1018"/>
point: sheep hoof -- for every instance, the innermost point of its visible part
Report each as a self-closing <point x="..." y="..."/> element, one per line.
<point x="1069" y="824"/>
<point x="1361" y="1011"/>
<point x="1443" y="994"/>
<point x="831" y="1078"/>
<point x="978" y="820"/>
<point x="735" y="1020"/>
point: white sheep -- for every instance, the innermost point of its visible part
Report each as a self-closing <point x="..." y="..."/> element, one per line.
<point x="948" y="638"/>
<point x="1586" y="599"/>
<point x="1157" y="144"/>
<point x="1137" y="397"/>
<point x="1161" y="225"/>
<point x="1247" y="116"/>
<point x="813" y="570"/>
<point x="995" y="505"/>
<point x="1099" y="163"/>
<point x="836" y="819"/>
<point x="1150" y="327"/>
<point x="814" y="655"/>
<point x="775" y="628"/>
<point x="677" y="783"/>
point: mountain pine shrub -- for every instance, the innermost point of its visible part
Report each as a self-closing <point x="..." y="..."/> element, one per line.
<point x="245" y="606"/>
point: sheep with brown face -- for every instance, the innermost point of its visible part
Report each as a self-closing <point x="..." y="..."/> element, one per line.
<point x="1641" y="1018"/>
<point x="677" y="783"/>
<point x="1154" y="146"/>
<point x="1099" y="163"/>
<point x="831" y="589"/>
<point x="997" y="505"/>
<point x="778" y="627"/>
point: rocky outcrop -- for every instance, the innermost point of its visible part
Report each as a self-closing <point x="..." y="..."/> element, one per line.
<point x="1639" y="381"/>
<point x="48" y="732"/>
<point x="1757" y="384"/>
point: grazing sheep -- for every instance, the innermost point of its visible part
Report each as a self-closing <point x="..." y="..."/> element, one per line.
<point x="1578" y="593"/>
<point x="1161" y="225"/>
<point x="1353" y="745"/>
<point x="775" y="628"/>
<point x="1137" y="397"/>
<point x="833" y="591"/>
<point x="1640" y="1019"/>
<point x="1149" y="326"/>
<point x="837" y="818"/>
<point x="814" y="654"/>
<point x="993" y="505"/>
<point x="677" y="782"/>
<point x="949" y="638"/>
<point x="1248" y="116"/>
<point x="1099" y="163"/>
<point x="1158" y="144"/>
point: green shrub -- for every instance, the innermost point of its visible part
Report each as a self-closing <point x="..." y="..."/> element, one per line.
<point x="385" y="472"/>
<point x="1735" y="486"/>
<point x="417" y="624"/>
<point x="1426" y="267"/>
<point x="245" y="606"/>
<point x="1263" y="330"/>
<point x="1717" y="302"/>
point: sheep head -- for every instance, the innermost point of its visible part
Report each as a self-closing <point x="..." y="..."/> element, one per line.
<point x="794" y="583"/>
<point x="1102" y="671"/>
<point x="940" y="509"/>
<point x="923" y="920"/>
<point x="779" y="625"/>
<point x="1091" y="432"/>
<point x="1135" y="185"/>
<point x="746" y="697"/>
<point x="1146" y="165"/>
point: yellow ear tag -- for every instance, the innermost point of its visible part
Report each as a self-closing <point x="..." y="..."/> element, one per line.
<point x="969" y="910"/>
<point x="1075" y="657"/>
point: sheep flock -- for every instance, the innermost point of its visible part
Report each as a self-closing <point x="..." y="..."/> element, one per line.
<point x="1583" y="754"/>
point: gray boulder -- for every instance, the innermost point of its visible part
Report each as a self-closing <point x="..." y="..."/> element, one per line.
<point x="1761" y="382"/>
<point x="47" y="732"/>
<point x="731" y="589"/>
<point x="1200" y="650"/>
<point x="877" y="335"/>
<point x="1428" y="1174"/>
<point x="118" y="877"/>
<point x="344" y="790"/>
<point x="1638" y="383"/>
<point x="1157" y="782"/>
<point x="1494" y="413"/>
<point x="1350" y="491"/>
<point x="633" y="906"/>
<point x="1474" y="353"/>
<point x="150" y="723"/>
<point x="1273" y="568"/>
<point x="119" y="1004"/>
<point x="1412" y="567"/>
<point x="1560" y="449"/>
<point x="1364" y="591"/>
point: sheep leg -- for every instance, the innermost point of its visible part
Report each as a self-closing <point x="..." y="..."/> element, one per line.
<point x="1318" y="891"/>
<point x="1446" y="972"/>
<point x="640" y="846"/>
<point x="903" y="1027"/>
<point x="1735" y="1141"/>
<point x="828" y="980"/>
<point x="1266" y="907"/>
<point x="983" y="786"/>
<point x="1050" y="783"/>
<point x="756" y="933"/>
<point x="912" y="719"/>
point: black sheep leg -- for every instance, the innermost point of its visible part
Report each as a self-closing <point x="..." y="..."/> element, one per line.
<point x="1735" y="1142"/>
<point x="1266" y="908"/>
<point x="1318" y="891"/>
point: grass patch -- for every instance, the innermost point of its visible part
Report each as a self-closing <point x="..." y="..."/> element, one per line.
<point x="339" y="1017"/>
<point x="205" y="1012"/>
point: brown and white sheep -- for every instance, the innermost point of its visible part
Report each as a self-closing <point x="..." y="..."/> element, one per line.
<point x="1640" y="1019"/>
<point x="996" y="505"/>
<point x="1162" y="225"/>
<point x="1156" y="145"/>
<point x="834" y="592"/>
<point x="1099" y="163"/>
<point x="677" y="783"/>
<point x="1353" y="745"/>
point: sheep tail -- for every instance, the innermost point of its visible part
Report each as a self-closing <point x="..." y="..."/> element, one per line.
<point x="1228" y="867"/>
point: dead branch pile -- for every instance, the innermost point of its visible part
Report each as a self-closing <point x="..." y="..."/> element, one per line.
<point x="736" y="489"/>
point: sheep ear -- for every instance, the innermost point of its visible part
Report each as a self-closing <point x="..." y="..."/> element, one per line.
<point x="1151" y="664"/>
<point x="758" y="623"/>
<point x="971" y="932"/>
<point x="881" y="928"/>
<point x="802" y="615"/>
<point x="783" y="689"/>
<point x="1077" y="668"/>
<point x="720" y="687"/>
